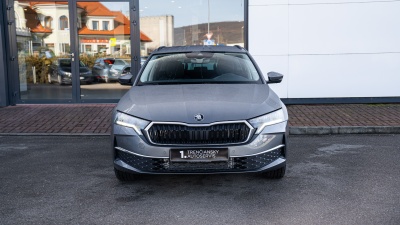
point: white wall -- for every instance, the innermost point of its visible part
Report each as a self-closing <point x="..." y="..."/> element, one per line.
<point x="328" y="48"/>
<point x="160" y="29"/>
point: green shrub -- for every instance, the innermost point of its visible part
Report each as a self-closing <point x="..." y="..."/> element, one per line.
<point x="41" y="65"/>
<point x="88" y="60"/>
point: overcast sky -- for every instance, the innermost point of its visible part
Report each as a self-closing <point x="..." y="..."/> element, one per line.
<point x="187" y="12"/>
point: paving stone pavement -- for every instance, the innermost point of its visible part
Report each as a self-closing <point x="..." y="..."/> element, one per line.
<point x="57" y="119"/>
<point x="344" y="119"/>
<point x="82" y="119"/>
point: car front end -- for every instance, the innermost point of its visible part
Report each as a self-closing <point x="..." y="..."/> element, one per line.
<point x="86" y="76"/>
<point x="65" y="76"/>
<point x="114" y="74"/>
<point x="142" y="146"/>
<point x="222" y="124"/>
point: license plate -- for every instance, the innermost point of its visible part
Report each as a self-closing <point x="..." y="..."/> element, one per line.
<point x="199" y="155"/>
<point x="82" y="78"/>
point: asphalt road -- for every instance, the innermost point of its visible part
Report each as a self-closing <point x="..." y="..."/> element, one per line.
<point x="330" y="180"/>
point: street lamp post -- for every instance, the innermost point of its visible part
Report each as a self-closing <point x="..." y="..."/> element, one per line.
<point x="208" y="30"/>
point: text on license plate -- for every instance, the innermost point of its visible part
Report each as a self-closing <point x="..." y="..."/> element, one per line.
<point x="180" y="155"/>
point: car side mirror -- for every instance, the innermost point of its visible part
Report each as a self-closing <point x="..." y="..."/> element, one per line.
<point x="274" y="77"/>
<point x="133" y="77"/>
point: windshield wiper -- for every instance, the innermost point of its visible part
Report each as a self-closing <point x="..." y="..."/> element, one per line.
<point x="146" y="84"/>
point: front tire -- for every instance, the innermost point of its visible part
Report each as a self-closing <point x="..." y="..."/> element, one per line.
<point x="59" y="80"/>
<point x="124" y="176"/>
<point x="276" y="174"/>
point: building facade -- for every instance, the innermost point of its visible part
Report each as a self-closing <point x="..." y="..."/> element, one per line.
<point x="330" y="51"/>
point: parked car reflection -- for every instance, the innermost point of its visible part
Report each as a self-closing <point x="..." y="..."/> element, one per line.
<point x="101" y="69"/>
<point x="109" y="69"/>
<point x="60" y="72"/>
<point x="126" y="77"/>
<point x="120" y="66"/>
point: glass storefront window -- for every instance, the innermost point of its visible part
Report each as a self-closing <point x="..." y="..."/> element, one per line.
<point x="46" y="55"/>
<point x="41" y="41"/>
<point x="104" y="37"/>
<point x="182" y="22"/>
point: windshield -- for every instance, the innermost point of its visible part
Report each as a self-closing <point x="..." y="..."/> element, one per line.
<point x="199" y="67"/>
<point x="123" y="62"/>
<point x="120" y="64"/>
<point x="67" y="63"/>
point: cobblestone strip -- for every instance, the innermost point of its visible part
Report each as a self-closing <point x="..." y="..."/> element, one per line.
<point x="344" y="115"/>
<point x="96" y="118"/>
<point x="86" y="118"/>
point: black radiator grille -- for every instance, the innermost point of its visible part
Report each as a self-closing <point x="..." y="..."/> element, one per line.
<point x="229" y="133"/>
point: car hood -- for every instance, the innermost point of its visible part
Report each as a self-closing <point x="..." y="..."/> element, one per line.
<point x="216" y="102"/>
<point x="118" y="67"/>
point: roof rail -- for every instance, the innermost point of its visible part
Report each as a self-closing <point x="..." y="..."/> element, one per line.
<point x="239" y="47"/>
<point x="159" y="48"/>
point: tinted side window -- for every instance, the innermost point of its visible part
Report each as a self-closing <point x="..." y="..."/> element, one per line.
<point x="127" y="70"/>
<point x="119" y="62"/>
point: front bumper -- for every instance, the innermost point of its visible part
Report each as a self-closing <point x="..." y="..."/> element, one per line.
<point x="114" y="76"/>
<point x="263" y="152"/>
<point x="86" y="78"/>
<point x="82" y="79"/>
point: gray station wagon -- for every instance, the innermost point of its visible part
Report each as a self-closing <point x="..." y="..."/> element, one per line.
<point x="200" y="109"/>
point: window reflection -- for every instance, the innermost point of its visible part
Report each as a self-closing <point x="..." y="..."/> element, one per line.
<point x="105" y="47"/>
<point x="42" y="32"/>
<point x="43" y="41"/>
<point x="180" y="23"/>
<point x="63" y="23"/>
<point x="48" y="22"/>
<point x="104" y="27"/>
<point x="95" y="25"/>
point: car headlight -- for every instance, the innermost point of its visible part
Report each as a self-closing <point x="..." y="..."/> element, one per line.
<point x="113" y="71"/>
<point x="269" y="119"/>
<point x="130" y="121"/>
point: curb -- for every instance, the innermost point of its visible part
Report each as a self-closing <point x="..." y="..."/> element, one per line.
<point x="344" y="130"/>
